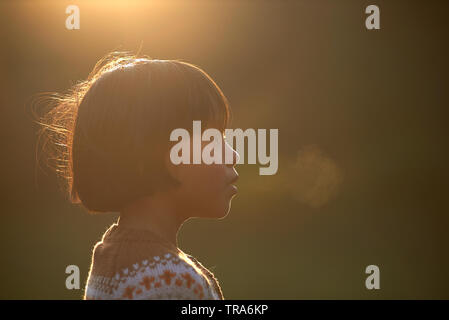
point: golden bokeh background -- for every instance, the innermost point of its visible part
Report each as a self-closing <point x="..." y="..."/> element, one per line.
<point x="363" y="160"/>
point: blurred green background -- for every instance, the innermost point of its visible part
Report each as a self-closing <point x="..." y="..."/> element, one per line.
<point x="363" y="159"/>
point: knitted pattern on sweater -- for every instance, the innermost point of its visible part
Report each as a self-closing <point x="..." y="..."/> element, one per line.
<point x="138" y="264"/>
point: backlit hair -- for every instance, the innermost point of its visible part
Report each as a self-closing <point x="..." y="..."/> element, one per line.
<point x="108" y="136"/>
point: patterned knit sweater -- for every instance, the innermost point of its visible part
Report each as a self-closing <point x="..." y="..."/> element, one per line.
<point x="138" y="264"/>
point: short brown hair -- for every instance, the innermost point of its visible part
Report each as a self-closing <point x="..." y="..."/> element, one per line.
<point x="108" y="135"/>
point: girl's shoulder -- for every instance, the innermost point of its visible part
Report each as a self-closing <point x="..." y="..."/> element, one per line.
<point x="139" y="266"/>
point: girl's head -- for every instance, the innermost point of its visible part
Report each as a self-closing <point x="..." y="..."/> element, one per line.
<point x="109" y="135"/>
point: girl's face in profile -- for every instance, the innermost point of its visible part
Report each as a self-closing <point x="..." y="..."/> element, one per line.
<point x="206" y="190"/>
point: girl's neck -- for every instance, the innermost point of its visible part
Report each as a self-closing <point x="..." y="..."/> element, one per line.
<point x="154" y="214"/>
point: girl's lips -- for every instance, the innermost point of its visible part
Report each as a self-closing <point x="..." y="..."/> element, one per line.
<point x="234" y="179"/>
<point x="233" y="189"/>
<point x="231" y="186"/>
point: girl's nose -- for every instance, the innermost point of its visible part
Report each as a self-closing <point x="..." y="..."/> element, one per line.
<point x="235" y="155"/>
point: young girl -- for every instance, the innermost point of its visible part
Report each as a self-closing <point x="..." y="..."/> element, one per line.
<point x="111" y="136"/>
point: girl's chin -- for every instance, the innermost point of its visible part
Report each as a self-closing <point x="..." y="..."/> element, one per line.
<point x="220" y="214"/>
<point x="217" y="212"/>
<point x="227" y="209"/>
